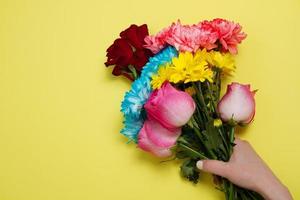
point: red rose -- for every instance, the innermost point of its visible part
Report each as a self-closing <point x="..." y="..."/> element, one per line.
<point x="127" y="52"/>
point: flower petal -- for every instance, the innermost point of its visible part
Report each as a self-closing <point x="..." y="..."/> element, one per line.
<point x="161" y="136"/>
<point x="238" y="104"/>
<point x="172" y="108"/>
<point x="145" y="143"/>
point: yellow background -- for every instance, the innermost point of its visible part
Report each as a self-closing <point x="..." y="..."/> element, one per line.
<point x="59" y="105"/>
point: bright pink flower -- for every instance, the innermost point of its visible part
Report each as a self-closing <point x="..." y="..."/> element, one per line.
<point x="157" y="42"/>
<point x="229" y="33"/>
<point x="170" y="107"/>
<point x="160" y="135"/>
<point x="237" y="104"/>
<point x="208" y="38"/>
<point x="154" y="44"/>
<point x="156" y="139"/>
<point x="182" y="37"/>
<point x="206" y="34"/>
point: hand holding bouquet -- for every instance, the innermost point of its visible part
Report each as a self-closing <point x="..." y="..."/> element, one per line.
<point x="174" y="108"/>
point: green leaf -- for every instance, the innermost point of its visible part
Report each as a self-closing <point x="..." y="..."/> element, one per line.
<point x="189" y="170"/>
<point x="213" y="136"/>
<point x="189" y="137"/>
<point x="182" y="154"/>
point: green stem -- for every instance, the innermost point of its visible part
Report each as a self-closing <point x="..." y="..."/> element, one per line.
<point x="198" y="133"/>
<point x="218" y="83"/>
<point x="193" y="151"/>
<point x="200" y="116"/>
<point x="229" y="189"/>
<point x="201" y="98"/>
<point x="133" y="70"/>
<point x="231" y="196"/>
<point x="211" y="97"/>
<point x="223" y="139"/>
<point x="231" y="139"/>
<point x="213" y="156"/>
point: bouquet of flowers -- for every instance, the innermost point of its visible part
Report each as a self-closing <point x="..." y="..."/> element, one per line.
<point x="174" y="108"/>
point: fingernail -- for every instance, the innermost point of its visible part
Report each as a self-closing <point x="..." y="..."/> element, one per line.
<point x="199" y="164"/>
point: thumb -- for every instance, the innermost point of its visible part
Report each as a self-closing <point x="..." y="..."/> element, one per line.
<point x="216" y="167"/>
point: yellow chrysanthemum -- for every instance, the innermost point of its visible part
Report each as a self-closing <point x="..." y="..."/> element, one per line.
<point x="162" y="75"/>
<point x="188" y="68"/>
<point x="224" y="61"/>
<point x="204" y="55"/>
<point x="200" y="72"/>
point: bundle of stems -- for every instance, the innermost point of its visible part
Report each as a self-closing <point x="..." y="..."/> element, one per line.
<point x="207" y="137"/>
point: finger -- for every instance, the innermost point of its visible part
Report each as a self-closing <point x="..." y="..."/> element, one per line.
<point x="213" y="166"/>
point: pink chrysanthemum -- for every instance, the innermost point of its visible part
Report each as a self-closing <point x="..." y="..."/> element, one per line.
<point x="190" y="38"/>
<point x="229" y="33"/>
<point x="207" y="34"/>
<point x="157" y="42"/>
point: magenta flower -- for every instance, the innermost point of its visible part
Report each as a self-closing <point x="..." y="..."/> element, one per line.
<point x="229" y="33"/>
<point x="190" y="38"/>
<point x="156" y="139"/>
<point x="237" y="104"/>
<point x="207" y="34"/>
<point x="170" y="107"/>
<point x="183" y="38"/>
<point x="157" y="42"/>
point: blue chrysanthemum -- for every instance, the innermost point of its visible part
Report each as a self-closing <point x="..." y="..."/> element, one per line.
<point x="134" y="100"/>
<point x="159" y="59"/>
<point x="132" y="127"/>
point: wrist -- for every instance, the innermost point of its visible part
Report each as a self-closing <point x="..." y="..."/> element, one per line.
<point x="275" y="190"/>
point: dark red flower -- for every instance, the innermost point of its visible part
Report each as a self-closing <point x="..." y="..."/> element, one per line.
<point x="127" y="52"/>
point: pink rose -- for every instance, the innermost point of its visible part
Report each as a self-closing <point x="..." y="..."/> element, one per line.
<point x="170" y="107"/>
<point x="156" y="139"/>
<point x="237" y="104"/>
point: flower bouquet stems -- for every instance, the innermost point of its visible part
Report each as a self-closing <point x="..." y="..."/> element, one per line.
<point x="206" y="137"/>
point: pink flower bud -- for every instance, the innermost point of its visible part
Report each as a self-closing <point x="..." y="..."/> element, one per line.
<point x="237" y="104"/>
<point x="170" y="107"/>
<point x="156" y="139"/>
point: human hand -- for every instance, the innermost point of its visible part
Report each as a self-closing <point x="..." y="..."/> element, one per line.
<point x="246" y="169"/>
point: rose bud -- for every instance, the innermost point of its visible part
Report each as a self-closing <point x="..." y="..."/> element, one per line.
<point x="237" y="104"/>
<point x="170" y="107"/>
<point x="156" y="139"/>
